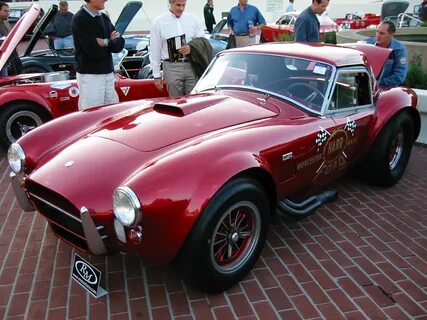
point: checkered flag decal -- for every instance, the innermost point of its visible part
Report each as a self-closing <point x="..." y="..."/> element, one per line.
<point x="350" y="126"/>
<point x="322" y="136"/>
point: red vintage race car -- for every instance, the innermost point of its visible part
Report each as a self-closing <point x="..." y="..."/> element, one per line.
<point x="29" y="100"/>
<point x="357" y="21"/>
<point x="196" y="179"/>
<point x="286" y="23"/>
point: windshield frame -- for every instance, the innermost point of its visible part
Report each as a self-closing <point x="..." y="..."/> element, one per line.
<point x="327" y="93"/>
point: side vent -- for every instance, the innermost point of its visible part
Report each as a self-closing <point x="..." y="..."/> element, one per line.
<point x="169" y="109"/>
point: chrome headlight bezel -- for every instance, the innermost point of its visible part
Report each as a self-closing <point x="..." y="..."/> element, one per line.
<point x="16" y="158"/>
<point x="126" y="206"/>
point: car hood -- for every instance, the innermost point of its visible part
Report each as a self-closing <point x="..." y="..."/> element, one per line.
<point x="17" y="34"/>
<point x="128" y="13"/>
<point x="155" y="125"/>
<point x="38" y="31"/>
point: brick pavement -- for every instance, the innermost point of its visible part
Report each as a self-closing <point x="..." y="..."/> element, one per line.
<point x="362" y="257"/>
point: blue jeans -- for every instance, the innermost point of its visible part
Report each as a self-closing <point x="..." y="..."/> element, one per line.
<point x="63" y="43"/>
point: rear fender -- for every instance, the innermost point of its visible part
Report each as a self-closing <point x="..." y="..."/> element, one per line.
<point x="389" y="104"/>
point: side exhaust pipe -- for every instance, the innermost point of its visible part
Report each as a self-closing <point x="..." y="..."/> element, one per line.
<point x="304" y="208"/>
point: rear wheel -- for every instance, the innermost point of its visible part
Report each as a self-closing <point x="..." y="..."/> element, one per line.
<point x="228" y="238"/>
<point x="390" y="153"/>
<point x="17" y="120"/>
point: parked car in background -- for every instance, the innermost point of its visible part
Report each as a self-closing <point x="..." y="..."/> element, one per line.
<point x="286" y="24"/>
<point x="49" y="60"/>
<point x="359" y="21"/>
<point x="195" y="180"/>
<point x="29" y="100"/>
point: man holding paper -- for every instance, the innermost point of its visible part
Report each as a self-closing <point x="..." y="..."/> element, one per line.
<point x="169" y="37"/>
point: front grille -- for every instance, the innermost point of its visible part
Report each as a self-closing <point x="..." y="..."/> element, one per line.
<point x="64" y="218"/>
<point x="51" y="197"/>
<point x="58" y="216"/>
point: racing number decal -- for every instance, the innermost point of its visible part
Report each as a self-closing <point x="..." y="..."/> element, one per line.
<point x="331" y="149"/>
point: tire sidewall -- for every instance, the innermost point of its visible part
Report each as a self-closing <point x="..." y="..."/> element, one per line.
<point x="379" y="160"/>
<point x="9" y="112"/>
<point x="195" y="260"/>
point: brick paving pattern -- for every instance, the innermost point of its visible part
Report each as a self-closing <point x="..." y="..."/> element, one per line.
<point x="361" y="257"/>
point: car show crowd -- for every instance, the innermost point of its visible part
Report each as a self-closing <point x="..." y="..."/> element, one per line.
<point x="176" y="47"/>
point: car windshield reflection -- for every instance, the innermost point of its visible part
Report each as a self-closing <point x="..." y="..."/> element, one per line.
<point x="302" y="81"/>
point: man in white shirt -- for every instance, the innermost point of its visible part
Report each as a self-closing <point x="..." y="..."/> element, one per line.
<point x="177" y="70"/>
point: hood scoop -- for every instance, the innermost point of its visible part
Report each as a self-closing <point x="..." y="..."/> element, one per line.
<point x="180" y="107"/>
<point x="169" y="109"/>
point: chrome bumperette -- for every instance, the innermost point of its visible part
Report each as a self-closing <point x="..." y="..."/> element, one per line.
<point x="22" y="197"/>
<point x="93" y="238"/>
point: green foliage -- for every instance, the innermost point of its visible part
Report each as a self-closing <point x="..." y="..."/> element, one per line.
<point x="330" y="37"/>
<point x="285" y="37"/>
<point x="424" y="24"/>
<point x="416" y="77"/>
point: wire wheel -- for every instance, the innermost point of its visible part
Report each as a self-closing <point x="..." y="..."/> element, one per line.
<point x="396" y="149"/>
<point x="235" y="237"/>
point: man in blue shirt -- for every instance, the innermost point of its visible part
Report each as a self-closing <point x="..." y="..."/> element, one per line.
<point x="307" y="26"/>
<point x="396" y="67"/>
<point x="290" y="6"/>
<point x="245" y="21"/>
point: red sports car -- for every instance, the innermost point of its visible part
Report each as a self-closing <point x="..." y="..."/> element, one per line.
<point x="196" y="179"/>
<point x="354" y="21"/>
<point x="29" y="100"/>
<point x="286" y="24"/>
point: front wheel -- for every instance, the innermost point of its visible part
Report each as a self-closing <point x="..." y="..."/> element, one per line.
<point x="390" y="152"/>
<point x="228" y="237"/>
<point x="17" y="120"/>
<point x="34" y="69"/>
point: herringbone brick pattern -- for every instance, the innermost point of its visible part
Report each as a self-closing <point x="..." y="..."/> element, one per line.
<point x="362" y="257"/>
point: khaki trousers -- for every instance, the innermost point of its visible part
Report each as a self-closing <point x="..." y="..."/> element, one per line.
<point x="96" y="90"/>
<point x="180" y="78"/>
<point x="243" y="41"/>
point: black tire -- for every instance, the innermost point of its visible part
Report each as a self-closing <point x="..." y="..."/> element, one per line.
<point x="34" y="69"/>
<point x="18" y="119"/>
<point x="389" y="155"/>
<point x="215" y="268"/>
<point x="145" y="73"/>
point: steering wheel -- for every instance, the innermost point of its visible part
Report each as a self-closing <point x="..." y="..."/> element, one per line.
<point x="308" y="95"/>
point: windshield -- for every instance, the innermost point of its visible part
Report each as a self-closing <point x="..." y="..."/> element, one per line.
<point x="302" y="81"/>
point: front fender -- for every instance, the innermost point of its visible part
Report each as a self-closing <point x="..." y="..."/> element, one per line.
<point x="172" y="206"/>
<point x="19" y="96"/>
<point x="31" y="62"/>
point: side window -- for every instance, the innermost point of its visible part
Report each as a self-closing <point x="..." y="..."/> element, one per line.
<point x="351" y="90"/>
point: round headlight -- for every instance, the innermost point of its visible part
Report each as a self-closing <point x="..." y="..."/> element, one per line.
<point x="16" y="158"/>
<point x="126" y="206"/>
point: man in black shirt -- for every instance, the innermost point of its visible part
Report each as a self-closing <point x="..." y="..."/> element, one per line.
<point x="209" y="16"/>
<point x="422" y="13"/>
<point x="307" y="26"/>
<point x="60" y="27"/>
<point x="94" y="40"/>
